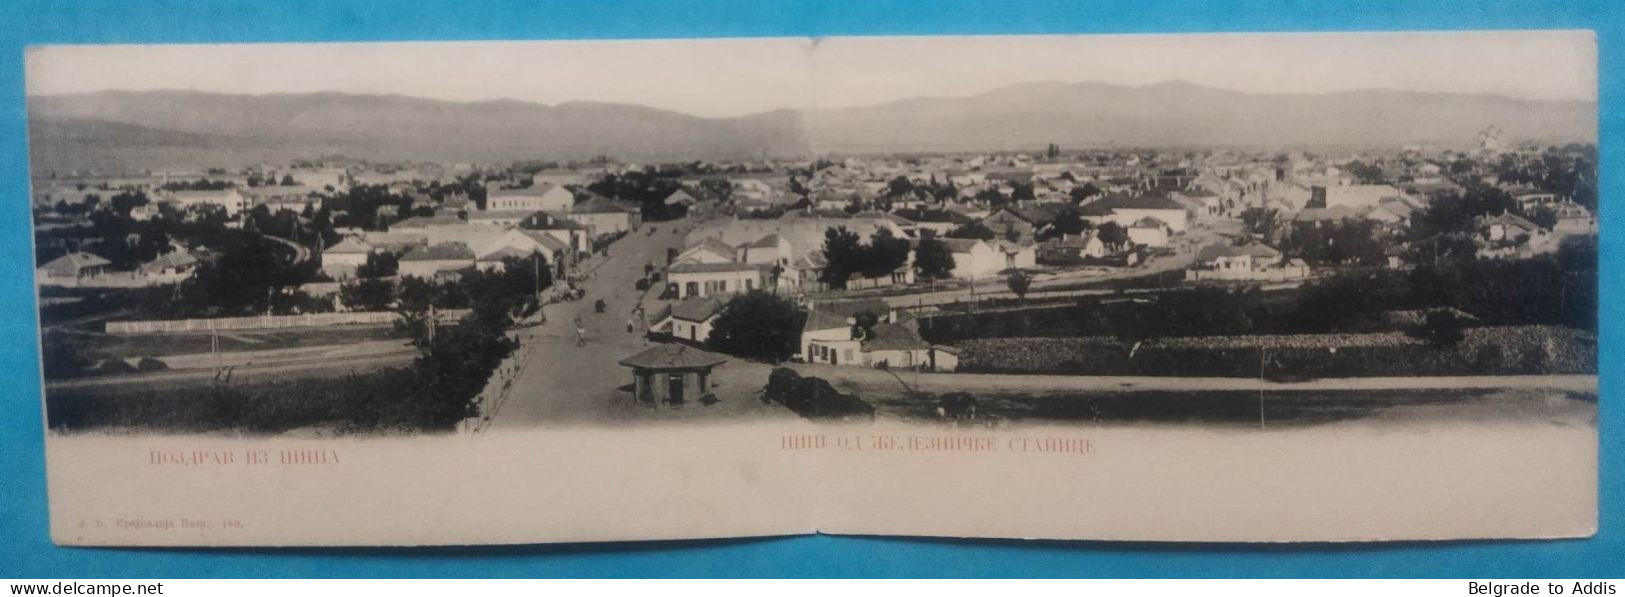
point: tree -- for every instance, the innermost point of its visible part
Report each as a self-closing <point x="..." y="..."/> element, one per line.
<point x="1442" y="328"/>
<point x="758" y="325"/>
<point x="1541" y="216"/>
<point x="1019" y="283"/>
<point x="1261" y="221"/>
<point x="972" y="231"/>
<point x="886" y="253"/>
<point x="992" y="197"/>
<point x="844" y="255"/>
<point x="1021" y="191"/>
<point x="1112" y="235"/>
<point x="1068" y="222"/>
<point x="370" y="294"/>
<point x="933" y="259"/>
<point x="124" y="202"/>
<point x="899" y="186"/>
<point x="1084" y="191"/>
<point x="379" y="265"/>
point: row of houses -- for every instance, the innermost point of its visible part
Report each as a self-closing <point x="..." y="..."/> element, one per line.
<point x="832" y="334"/>
<point x="84" y="269"/>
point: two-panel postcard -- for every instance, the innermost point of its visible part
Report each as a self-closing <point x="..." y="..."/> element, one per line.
<point x="1321" y="287"/>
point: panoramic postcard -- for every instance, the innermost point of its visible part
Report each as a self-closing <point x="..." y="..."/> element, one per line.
<point x="1327" y="287"/>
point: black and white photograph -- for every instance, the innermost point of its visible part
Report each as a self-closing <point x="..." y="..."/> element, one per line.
<point x="1279" y="249"/>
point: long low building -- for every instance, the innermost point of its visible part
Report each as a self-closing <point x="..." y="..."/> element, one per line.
<point x="707" y="279"/>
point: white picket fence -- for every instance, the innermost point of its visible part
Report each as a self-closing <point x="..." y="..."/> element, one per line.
<point x="269" y="322"/>
<point x="497" y="388"/>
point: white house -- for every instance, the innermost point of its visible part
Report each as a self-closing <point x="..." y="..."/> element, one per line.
<point x="603" y="216"/>
<point x="341" y="260"/>
<point x="1126" y="209"/>
<point x="426" y="261"/>
<point x="691" y="319"/>
<point x="229" y="199"/>
<point x="545" y="197"/>
<point x="1354" y="196"/>
<point x="1252" y="261"/>
<point x="1148" y="231"/>
<point x="707" y="279"/>
<point x="973" y="257"/>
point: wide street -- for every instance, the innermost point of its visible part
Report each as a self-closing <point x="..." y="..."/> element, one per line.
<point x="562" y="383"/>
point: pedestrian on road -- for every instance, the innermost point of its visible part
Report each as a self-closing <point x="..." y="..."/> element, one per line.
<point x="581" y="333"/>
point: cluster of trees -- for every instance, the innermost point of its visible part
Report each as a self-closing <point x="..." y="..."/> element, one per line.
<point x="847" y="255"/>
<point x="758" y="325"/>
<point x="376" y="287"/>
<point x="647" y="189"/>
<point x="243" y="278"/>
<point x="1341" y="242"/>
<point x="369" y="207"/>
<point x="1557" y="289"/>
<point x="454" y="362"/>
<point x="201" y="184"/>
<point x="1455" y="213"/>
<point x="1569" y="171"/>
<point x="270" y="180"/>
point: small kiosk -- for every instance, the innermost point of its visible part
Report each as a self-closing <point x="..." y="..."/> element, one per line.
<point x="671" y="373"/>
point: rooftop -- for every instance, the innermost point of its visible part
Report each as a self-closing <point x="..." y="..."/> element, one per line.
<point x="674" y="356"/>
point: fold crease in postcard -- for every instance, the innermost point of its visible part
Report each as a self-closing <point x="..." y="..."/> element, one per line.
<point x="1240" y="288"/>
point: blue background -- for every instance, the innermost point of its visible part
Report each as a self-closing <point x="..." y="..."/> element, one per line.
<point x="25" y="548"/>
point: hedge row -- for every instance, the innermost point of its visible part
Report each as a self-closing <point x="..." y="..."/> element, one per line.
<point x="1482" y="351"/>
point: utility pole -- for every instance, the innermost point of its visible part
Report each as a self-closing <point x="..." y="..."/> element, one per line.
<point x="919" y="311"/>
<point x="1263" y="351"/>
<point x="432" y="320"/>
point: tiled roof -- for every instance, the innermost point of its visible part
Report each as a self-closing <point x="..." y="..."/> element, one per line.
<point x="71" y="263"/>
<point x="171" y="260"/>
<point x="674" y="356"/>
<point x="1253" y="249"/>
<point x="697" y="309"/>
<point x="440" y="252"/>
<point x="350" y="245"/>
<point x="700" y="268"/>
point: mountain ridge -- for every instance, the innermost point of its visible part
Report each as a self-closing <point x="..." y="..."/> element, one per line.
<point x="91" y="130"/>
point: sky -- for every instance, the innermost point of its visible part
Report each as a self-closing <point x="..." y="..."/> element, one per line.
<point x="732" y="77"/>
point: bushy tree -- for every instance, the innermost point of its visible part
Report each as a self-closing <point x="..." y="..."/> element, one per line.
<point x="973" y="231"/>
<point x="758" y="325"/>
<point x="1068" y="222"/>
<point x="844" y="255"/>
<point x="885" y="254"/>
<point x="1442" y="329"/>
<point x="933" y="259"/>
<point x="1019" y="283"/>
<point x="1112" y="234"/>
<point x="368" y="294"/>
<point x="379" y="265"/>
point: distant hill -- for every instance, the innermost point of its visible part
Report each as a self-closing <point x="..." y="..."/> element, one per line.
<point x="116" y="128"/>
<point x="1183" y="114"/>
<point x="176" y="129"/>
